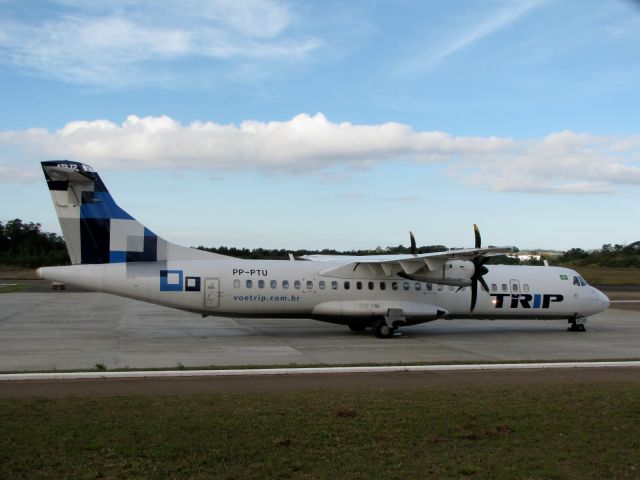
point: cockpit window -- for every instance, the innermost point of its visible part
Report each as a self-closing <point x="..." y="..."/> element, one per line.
<point x="579" y="281"/>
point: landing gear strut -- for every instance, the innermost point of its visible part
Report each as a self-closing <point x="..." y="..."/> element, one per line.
<point x="577" y="325"/>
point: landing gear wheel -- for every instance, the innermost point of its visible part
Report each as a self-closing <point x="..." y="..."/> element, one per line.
<point x="357" y="327"/>
<point x="576" y="327"/>
<point x="382" y="330"/>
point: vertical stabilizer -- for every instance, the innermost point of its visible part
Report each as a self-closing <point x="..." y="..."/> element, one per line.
<point x="96" y="230"/>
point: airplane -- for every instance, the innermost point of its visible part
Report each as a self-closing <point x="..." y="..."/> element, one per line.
<point x="112" y="252"/>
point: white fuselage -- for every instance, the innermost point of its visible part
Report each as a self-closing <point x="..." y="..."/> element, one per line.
<point x="275" y="288"/>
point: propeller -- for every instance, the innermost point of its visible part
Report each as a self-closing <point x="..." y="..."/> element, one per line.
<point x="414" y="248"/>
<point x="479" y="270"/>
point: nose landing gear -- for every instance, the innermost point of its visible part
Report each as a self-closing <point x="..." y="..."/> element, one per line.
<point x="577" y="325"/>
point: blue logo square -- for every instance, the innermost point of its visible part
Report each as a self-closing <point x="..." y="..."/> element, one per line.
<point x="170" y="280"/>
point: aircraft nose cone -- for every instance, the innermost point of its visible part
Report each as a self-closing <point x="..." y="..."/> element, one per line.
<point x="39" y="272"/>
<point x="605" y="300"/>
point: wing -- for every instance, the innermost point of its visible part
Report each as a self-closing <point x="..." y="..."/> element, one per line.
<point x="390" y="265"/>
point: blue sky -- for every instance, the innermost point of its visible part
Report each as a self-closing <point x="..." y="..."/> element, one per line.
<point x="332" y="124"/>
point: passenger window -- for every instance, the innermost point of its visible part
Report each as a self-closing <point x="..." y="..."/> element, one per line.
<point x="359" y="285"/>
<point x="297" y="284"/>
<point x="394" y="285"/>
<point x="440" y="287"/>
<point x="347" y="285"/>
<point x="494" y="287"/>
<point x="321" y="284"/>
<point x="429" y="286"/>
<point x="285" y="284"/>
<point x="383" y="286"/>
<point x="249" y="283"/>
<point x="405" y="285"/>
<point x="260" y="283"/>
<point x="515" y="287"/>
<point x="505" y="288"/>
<point x="309" y="285"/>
<point x="236" y="283"/>
<point x="370" y="285"/>
<point x="274" y="284"/>
<point x="418" y="286"/>
<point x="525" y="287"/>
<point x="334" y="285"/>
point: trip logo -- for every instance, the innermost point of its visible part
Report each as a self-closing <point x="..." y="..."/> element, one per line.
<point x="525" y="300"/>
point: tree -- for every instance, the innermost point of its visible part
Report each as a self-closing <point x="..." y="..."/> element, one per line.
<point x="24" y="244"/>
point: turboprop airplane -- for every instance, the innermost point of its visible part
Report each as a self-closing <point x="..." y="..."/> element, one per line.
<point x="112" y="252"/>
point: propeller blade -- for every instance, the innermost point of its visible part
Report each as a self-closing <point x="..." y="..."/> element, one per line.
<point x="479" y="270"/>
<point x="414" y="248"/>
<point x="474" y="295"/>
<point x="484" y="284"/>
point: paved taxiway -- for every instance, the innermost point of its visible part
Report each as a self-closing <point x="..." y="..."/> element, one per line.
<point x="69" y="330"/>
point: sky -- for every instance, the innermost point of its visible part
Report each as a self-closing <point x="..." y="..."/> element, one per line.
<point x="332" y="124"/>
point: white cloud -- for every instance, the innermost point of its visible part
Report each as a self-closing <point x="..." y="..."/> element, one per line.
<point x="466" y="31"/>
<point x="562" y="162"/>
<point x="14" y="174"/>
<point x="495" y="22"/>
<point x="125" y="43"/>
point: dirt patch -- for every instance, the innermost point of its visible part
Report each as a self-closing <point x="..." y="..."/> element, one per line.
<point x="339" y="381"/>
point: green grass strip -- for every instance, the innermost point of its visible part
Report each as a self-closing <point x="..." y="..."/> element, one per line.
<point x="586" y="431"/>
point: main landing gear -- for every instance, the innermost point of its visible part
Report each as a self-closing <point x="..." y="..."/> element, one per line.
<point x="577" y="325"/>
<point x="381" y="329"/>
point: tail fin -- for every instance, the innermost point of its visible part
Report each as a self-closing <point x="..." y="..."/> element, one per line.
<point x="95" y="229"/>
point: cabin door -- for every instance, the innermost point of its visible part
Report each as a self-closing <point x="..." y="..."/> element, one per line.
<point x="211" y="293"/>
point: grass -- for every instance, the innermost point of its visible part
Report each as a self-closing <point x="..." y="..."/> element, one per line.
<point x="17" y="273"/>
<point x="13" y="288"/>
<point x="610" y="276"/>
<point x="544" y="431"/>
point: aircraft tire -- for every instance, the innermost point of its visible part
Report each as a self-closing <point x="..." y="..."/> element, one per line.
<point x="381" y="329"/>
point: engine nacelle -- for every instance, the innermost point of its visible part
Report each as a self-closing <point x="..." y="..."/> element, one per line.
<point x="453" y="272"/>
